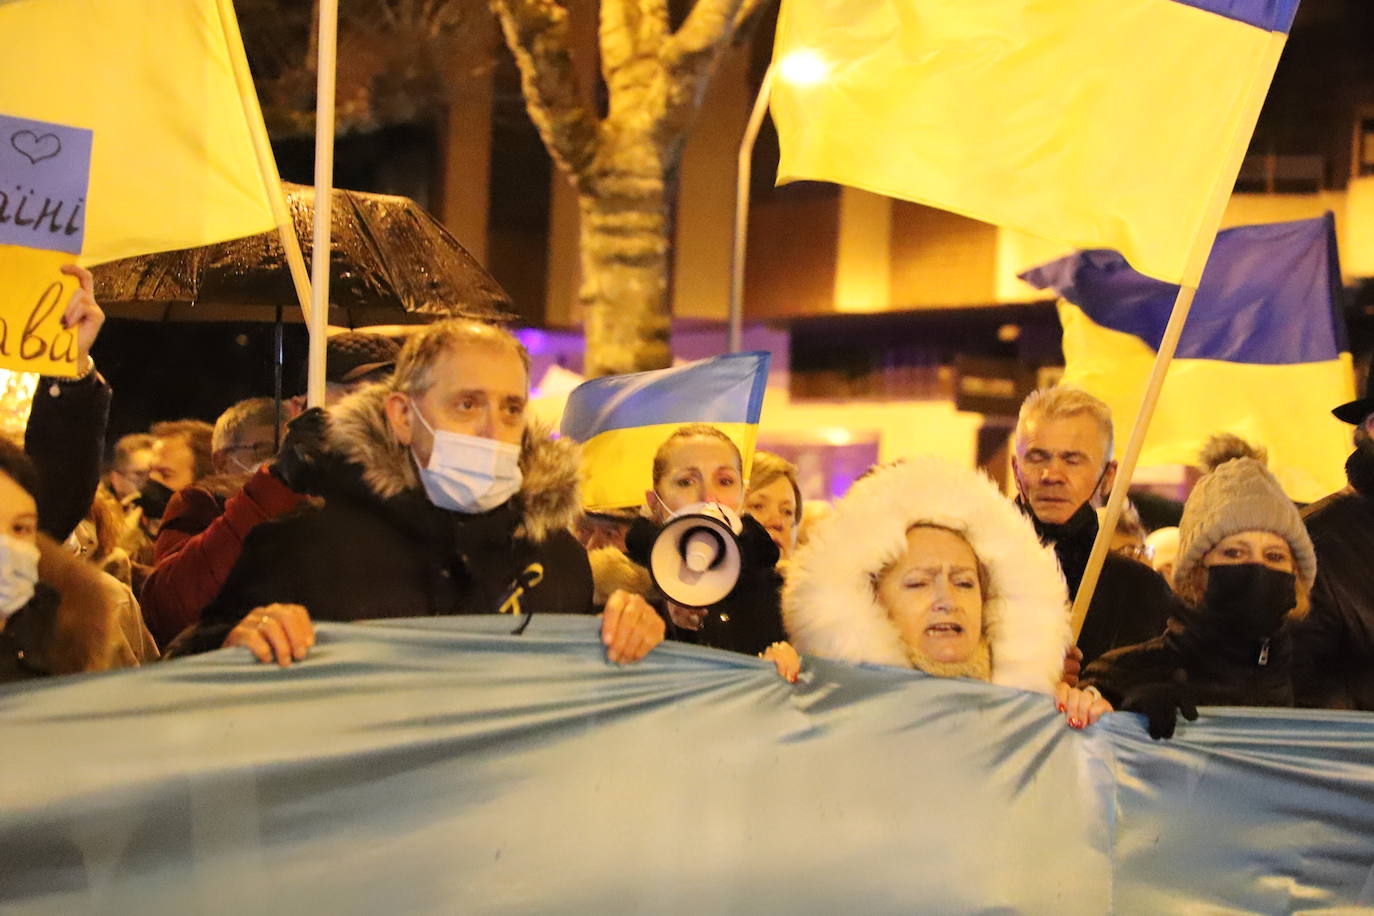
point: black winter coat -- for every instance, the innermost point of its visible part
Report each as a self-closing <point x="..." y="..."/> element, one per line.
<point x="1334" y="645"/>
<point x="378" y="548"/>
<point x="65" y="438"/>
<point x="1132" y="602"/>
<point x="1212" y="666"/>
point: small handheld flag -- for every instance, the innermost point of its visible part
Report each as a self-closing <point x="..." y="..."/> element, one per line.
<point x="621" y="420"/>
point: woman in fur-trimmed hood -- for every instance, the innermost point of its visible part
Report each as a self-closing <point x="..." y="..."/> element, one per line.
<point x="926" y="565"/>
<point x="419" y="519"/>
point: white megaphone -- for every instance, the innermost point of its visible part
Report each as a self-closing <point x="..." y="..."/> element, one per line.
<point x="695" y="561"/>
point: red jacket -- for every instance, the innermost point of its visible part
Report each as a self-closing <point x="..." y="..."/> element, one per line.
<point x="200" y="541"/>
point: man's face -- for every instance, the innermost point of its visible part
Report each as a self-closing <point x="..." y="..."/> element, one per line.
<point x="127" y="480"/>
<point x="1058" y="465"/>
<point x="174" y="464"/>
<point x="478" y="390"/>
<point x="1364" y="436"/>
<point x="254" y="445"/>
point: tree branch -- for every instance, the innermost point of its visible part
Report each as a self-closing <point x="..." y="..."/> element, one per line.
<point x="706" y="30"/>
<point x="537" y="34"/>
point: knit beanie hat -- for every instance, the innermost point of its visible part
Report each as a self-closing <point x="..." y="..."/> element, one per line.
<point x="1240" y="495"/>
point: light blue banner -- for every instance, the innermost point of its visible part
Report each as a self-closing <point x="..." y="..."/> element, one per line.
<point x="444" y="766"/>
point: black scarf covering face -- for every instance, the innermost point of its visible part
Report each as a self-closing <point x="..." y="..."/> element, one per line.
<point x="1072" y="540"/>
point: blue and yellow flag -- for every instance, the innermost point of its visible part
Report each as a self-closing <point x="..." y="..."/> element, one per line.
<point x="1263" y="354"/>
<point x="124" y="129"/>
<point x="1098" y="123"/>
<point x="621" y="420"/>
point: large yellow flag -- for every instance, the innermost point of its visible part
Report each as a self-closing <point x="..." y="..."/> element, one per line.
<point x="1098" y="123"/>
<point x="122" y="131"/>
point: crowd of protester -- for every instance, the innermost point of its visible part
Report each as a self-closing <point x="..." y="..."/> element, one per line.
<point x="423" y="489"/>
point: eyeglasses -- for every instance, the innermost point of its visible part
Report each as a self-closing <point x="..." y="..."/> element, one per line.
<point x="1144" y="553"/>
<point x="256" y="451"/>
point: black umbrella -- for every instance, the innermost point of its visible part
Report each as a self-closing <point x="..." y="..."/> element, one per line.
<point x="390" y="263"/>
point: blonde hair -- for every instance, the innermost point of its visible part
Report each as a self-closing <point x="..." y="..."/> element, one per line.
<point x="691" y="431"/>
<point x="1060" y="402"/>
<point x="415" y="364"/>
<point x="246" y="413"/>
<point x="768" y="468"/>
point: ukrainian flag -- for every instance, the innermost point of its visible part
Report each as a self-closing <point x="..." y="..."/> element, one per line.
<point x="1099" y="123"/>
<point x="621" y="420"/>
<point x="1263" y="354"/>
<point x="157" y="89"/>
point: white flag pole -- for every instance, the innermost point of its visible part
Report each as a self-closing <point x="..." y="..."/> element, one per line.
<point x="743" y="175"/>
<point x="324" y="196"/>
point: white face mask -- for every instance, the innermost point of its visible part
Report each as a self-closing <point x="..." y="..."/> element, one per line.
<point x="18" y="574"/>
<point x="468" y="474"/>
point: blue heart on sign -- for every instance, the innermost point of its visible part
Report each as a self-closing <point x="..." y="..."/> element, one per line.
<point x="36" y="148"/>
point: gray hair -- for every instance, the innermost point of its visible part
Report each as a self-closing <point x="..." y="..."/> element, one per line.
<point x="415" y="364"/>
<point x="1060" y="402"/>
<point x="246" y="413"/>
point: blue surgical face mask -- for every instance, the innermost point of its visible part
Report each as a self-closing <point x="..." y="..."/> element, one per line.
<point x="468" y="474"/>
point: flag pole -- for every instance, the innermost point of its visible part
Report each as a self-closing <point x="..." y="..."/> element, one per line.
<point x="1203" y="238"/>
<point x="1183" y="304"/>
<point x="743" y="175"/>
<point x="267" y="162"/>
<point x="324" y="196"/>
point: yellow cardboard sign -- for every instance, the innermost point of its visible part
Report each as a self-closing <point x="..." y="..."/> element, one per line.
<point x="33" y="295"/>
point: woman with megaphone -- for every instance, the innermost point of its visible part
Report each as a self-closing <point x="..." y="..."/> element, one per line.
<point x="714" y="571"/>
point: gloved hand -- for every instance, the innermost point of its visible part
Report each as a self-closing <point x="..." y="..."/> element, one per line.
<point x="302" y="450"/>
<point x="1161" y="703"/>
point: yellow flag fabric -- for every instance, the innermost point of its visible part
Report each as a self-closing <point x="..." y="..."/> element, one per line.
<point x="1097" y="123"/>
<point x="172" y="162"/>
<point x="1287" y="408"/>
<point x="122" y="132"/>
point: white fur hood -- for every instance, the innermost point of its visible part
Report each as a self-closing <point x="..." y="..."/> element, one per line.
<point x="830" y="606"/>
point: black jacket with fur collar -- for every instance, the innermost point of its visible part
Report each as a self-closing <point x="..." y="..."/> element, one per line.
<point x="378" y="548"/>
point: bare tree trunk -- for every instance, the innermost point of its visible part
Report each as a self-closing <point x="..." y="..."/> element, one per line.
<point x="625" y="224"/>
<point x="624" y="166"/>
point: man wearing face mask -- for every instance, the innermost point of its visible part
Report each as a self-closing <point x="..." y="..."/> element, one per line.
<point x="437" y="500"/>
<point x="1245" y="571"/>
<point x="204" y="525"/>
<point x="1062" y="463"/>
<point x="1335" y="643"/>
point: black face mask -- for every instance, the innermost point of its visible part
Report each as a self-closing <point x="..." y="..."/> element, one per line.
<point x="1250" y="598"/>
<point x="154" y="497"/>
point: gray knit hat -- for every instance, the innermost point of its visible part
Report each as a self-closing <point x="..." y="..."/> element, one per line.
<point x="1240" y="495"/>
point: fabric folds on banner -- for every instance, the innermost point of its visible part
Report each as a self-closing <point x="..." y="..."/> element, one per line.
<point x="446" y="766"/>
<point x="621" y="420"/>
<point x="1263" y="354"/>
<point x="1098" y="123"/>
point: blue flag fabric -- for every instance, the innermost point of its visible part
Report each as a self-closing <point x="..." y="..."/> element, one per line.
<point x="1270" y="15"/>
<point x="1269" y="295"/>
<point x="446" y="766"/>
